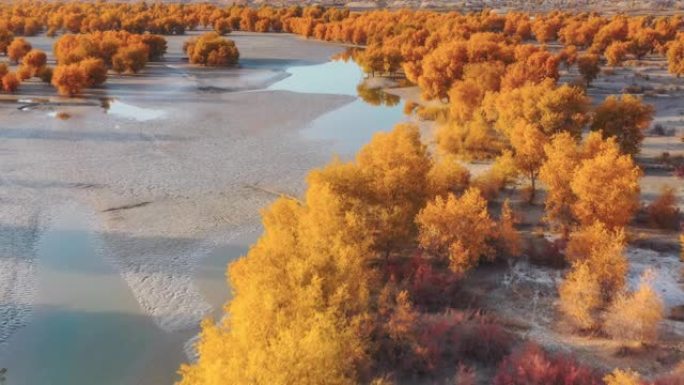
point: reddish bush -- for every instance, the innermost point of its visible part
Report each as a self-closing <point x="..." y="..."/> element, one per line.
<point x="531" y="365"/>
<point x="485" y="340"/>
<point x="432" y="288"/>
<point x="10" y="82"/>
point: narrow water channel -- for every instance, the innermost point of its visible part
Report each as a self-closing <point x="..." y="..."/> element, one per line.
<point x="86" y="328"/>
<point x="347" y="128"/>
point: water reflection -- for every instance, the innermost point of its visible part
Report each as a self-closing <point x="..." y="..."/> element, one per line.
<point x="351" y="126"/>
<point x="377" y="96"/>
<point x="115" y="107"/>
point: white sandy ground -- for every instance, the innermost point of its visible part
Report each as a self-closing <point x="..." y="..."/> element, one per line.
<point x="167" y="191"/>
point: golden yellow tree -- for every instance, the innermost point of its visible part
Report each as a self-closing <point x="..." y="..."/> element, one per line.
<point x="457" y="228"/>
<point x="589" y="66"/>
<point x="625" y="118"/>
<point x="528" y="148"/>
<point x="298" y="297"/>
<point x="675" y="57"/>
<point x="580" y="296"/>
<point x="607" y="188"/>
<point x="386" y="184"/>
<point x="603" y="251"/>
<point x="636" y="316"/>
<point x="447" y="175"/>
<point x="549" y="108"/>
<point x="562" y="157"/>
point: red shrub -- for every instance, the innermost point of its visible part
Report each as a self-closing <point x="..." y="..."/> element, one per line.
<point x="531" y="365"/>
<point x="485" y="340"/>
<point x="432" y="288"/>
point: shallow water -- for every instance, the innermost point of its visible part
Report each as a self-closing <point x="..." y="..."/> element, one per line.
<point x="210" y="274"/>
<point x="86" y="328"/>
<point x="347" y="128"/>
<point x="129" y="111"/>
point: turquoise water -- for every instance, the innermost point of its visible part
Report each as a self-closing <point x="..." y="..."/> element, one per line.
<point x="347" y="128"/>
<point x="86" y="328"/>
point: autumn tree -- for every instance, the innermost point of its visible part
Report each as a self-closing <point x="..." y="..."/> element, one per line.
<point x="606" y="187"/>
<point x="447" y="175"/>
<point x="18" y="49"/>
<point x="210" y="49"/>
<point x="663" y="212"/>
<point x="636" y="316"/>
<point x="580" y="296"/>
<point x="386" y="184"/>
<point x="589" y="66"/>
<point x="549" y="108"/>
<point x="626" y="118"/>
<point x="675" y="57"/>
<point x="616" y="53"/>
<point x="602" y="249"/>
<point x="6" y="37"/>
<point x="441" y="68"/>
<point x="590" y="182"/>
<point x="562" y="157"/>
<point x="528" y="143"/>
<point x="457" y="228"/>
<point x="299" y="297"/>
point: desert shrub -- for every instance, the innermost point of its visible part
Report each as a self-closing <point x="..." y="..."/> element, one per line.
<point x="156" y="44"/>
<point x="588" y="66"/>
<point x="45" y="74"/>
<point x="543" y="252"/>
<point x="485" y="340"/>
<point x="635" y="316"/>
<point x="24" y="73"/>
<point x="431" y="288"/>
<point x="663" y="212"/>
<point x="502" y="173"/>
<point x="34" y="61"/>
<point x="94" y="70"/>
<point x="10" y="82"/>
<point x="18" y="49"/>
<point x="130" y="59"/>
<point x="69" y="79"/>
<point x="210" y="49"/>
<point x="509" y="240"/>
<point x="531" y="365"/>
